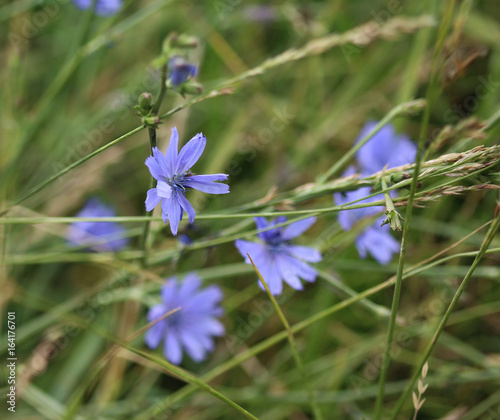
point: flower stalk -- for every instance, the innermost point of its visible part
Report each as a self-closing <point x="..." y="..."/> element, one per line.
<point x="152" y="144"/>
<point x="291" y="340"/>
<point x="431" y="94"/>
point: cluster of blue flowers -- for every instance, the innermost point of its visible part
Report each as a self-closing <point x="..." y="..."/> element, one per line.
<point x="194" y="325"/>
<point x="385" y="148"/>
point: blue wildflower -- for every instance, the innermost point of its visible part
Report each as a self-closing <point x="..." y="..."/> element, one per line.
<point x="102" y="7"/>
<point x="276" y="258"/>
<point x="99" y="236"/>
<point x="193" y="326"/>
<point x="174" y="179"/>
<point x="375" y="239"/>
<point x="385" y="147"/>
<point x="348" y="218"/>
<point x="180" y="70"/>
<point x="378" y="241"/>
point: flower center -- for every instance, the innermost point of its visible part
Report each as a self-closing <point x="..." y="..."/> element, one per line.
<point x="275" y="239"/>
<point x="277" y="247"/>
<point x="176" y="183"/>
<point x="174" y="319"/>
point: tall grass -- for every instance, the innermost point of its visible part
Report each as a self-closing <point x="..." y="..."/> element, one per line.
<point x="287" y="87"/>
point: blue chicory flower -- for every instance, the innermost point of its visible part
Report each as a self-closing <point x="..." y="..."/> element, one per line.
<point x="375" y="239"/>
<point x="378" y="241"/>
<point x="174" y="179"/>
<point x="348" y="218"/>
<point x="276" y="258"/>
<point x="102" y="7"/>
<point x="99" y="236"/>
<point x="384" y="148"/>
<point x="180" y="70"/>
<point x="193" y="326"/>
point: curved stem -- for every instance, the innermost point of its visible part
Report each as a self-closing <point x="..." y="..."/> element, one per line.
<point x="293" y="346"/>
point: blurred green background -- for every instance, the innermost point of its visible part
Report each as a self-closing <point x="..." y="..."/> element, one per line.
<point x="61" y="101"/>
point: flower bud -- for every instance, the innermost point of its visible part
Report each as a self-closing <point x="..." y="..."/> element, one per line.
<point x="191" y="88"/>
<point x="393" y="218"/>
<point x="184" y="41"/>
<point x="175" y="43"/>
<point x="151" y="122"/>
<point x="398" y="177"/>
<point x="145" y="101"/>
<point x="180" y="70"/>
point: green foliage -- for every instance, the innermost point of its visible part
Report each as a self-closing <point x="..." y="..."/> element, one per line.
<point x="283" y="101"/>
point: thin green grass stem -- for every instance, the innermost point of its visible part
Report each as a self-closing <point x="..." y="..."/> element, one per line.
<point x="430" y="96"/>
<point x="152" y="144"/>
<point x="492" y="231"/>
<point x="293" y="346"/>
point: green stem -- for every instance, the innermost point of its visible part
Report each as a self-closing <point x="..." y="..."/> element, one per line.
<point x="378" y="310"/>
<point x="430" y="347"/>
<point x="152" y="144"/>
<point x="163" y="90"/>
<point x="293" y="346"/>
<point x="430" y="95"/>
<point x="271" y="341"/>
<point x="169" y="367"/>
<point x="189" y="378"/>
<point x="145" y="231"/>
